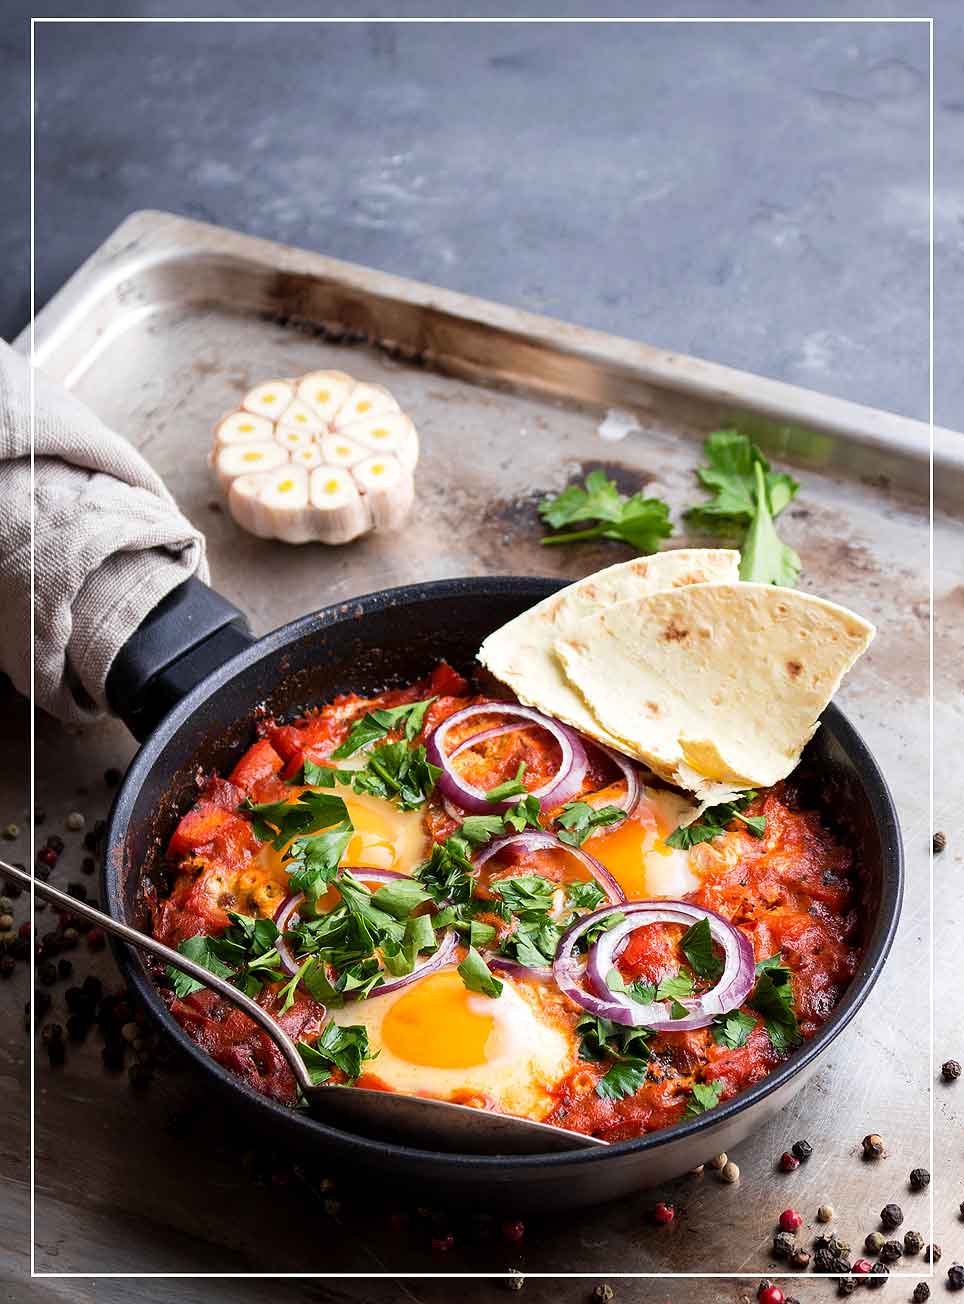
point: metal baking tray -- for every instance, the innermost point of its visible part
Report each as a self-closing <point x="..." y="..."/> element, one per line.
<point x="172" y="320"/>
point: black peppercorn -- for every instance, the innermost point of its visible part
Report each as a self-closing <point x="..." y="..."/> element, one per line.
<point x="877" y="1276"/>
<point x="922" y="1292"/>
<point x="913" y="1242"/>
<point x="891" y="1216"/>
<point x="933" y="1253"/>
<point x="891" y="1251"/>
<point x="873" y="1146"/>
<point x="47" y="973"/>
<point x="939" y="842"/>
<point x="824" y="1260"/>
<point x="847" y="1285"/>
<point x="784" y="1244"/>
<point x="139" y="1075"/>
<point x="88" y="865"/>
<point x="950" y="1070"/>
<point x="919" y="1179"/>
<point x="955" y="1277"/>
<point x="64" y="967"/>
<point x="800" y="1258"/>
<point x="55" y="843"/>
<point x="801" y="1150"/>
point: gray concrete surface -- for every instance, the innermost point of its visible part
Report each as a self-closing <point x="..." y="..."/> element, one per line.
<point x="752" y="194"/>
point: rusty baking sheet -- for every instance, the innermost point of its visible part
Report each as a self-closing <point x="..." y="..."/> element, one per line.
<point x="171" y="321"/>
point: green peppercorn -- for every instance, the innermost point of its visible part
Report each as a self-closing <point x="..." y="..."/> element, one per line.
<point x="873" y="1146"/>
<point x="919" y="1179"/>
<point x="11" y="832"/>
<point x="922" y="1293"/>
<point x="913" y="1242"/>
<point x="873" y="1242"/>
<point x="891" y="1216"/>
<point x="891" y="1251"/>
<point x="950" y="1070"/>
<point x="838" y="1246"/>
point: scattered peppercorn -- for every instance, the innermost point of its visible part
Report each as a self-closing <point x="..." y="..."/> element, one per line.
<point x="955" y="1277"/>
<point x="824" y="1259"/>
<point x="95" y="940"/>
<point x="6" y="923"/>
<point x="718" y="1161"/>
<point x="784" y="1244"/>
<point x="790" y="1220"/>
<point x="770" y="1295"/>
<point x="664" y="1213"/>
<point x="47" y="973"/>
<point x="873" y="1145"/>
<point x="873" y="1242"/>
<point x="788" y="1162"/>
<point x="950" y="1070"/>
<point x="11" y="832"/>
<point x="47" y="856"/>
<point x="825" y="1213"/>
<point x="139" y="1075"/>
<point x="862" y="1267"/>
<point x="88" y="865"/>
<point x="878" y="1276"/>
<point x="515" y="1280"/>
<point x="603" y="1292"/>
<point x="7" y="966"/>
<point x="847" y="1285"/>
<point x="801" y="1150"/>
<point x="837" y="1246"/>
<point x="730" y="1171"/>
<point x="891" y="1216"/>
<point x="933" y="1253"/>
<point x="113" y="1057"/>
<point x="939" y="843"/>
<point x="913" y="1242"/>
<point x="891" y="1251"/>
<point x="513" y="1230"/>
<point x="800" y="1258"/>
<point x="75" y="821"/>
<point x="77" y="1027"/>
<point x="921" y="1293"/>
<point x="919" y="1179"/>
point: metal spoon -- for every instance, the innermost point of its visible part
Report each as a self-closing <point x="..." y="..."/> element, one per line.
<point x="412" y="1120"/>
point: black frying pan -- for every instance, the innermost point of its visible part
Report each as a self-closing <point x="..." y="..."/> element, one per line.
<point x="189" y="683"/>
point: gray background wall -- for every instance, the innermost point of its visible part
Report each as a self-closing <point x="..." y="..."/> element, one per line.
<point x="752" y="194"/>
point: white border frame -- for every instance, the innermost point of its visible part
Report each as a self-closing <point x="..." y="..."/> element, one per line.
<point x="402" y="1276"/>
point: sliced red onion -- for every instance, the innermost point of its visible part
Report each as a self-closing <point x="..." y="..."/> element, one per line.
<point x="495" y="732"/>
<point x="516" y="969"/>
<point x="730" y="991"/>
<point x="285" y="916"/>
<point x="564" y="784"/>
<point x="630" y="773"/>
<point x="536" y="840"/>
<point x="429" y="964"/>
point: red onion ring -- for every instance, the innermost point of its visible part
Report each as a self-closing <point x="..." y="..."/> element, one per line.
<point x="565" y="782"/>
<point x="630" y="773"/>
<point x="731" y="990"/>
<point x="495" y="732"/>
<point x="536" y="840"/>
<point x="515" y="969"/>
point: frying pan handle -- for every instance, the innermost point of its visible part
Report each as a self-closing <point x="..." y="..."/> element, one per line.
<point x="188" y="634"/>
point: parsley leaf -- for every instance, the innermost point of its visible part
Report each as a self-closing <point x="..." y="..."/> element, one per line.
<point x="624" y="1078"/>
<point x="527" y="895"/>
<point x="398" y="773"/>
<point x="730" y="476"/>
<point x="400" y="897"/>
<point x="202" y="951"/>
<point x="524" y="814"/>
<point x="773" y="998"/>
<point x="344" y="1048"/>
<point x="733" y="1029"/>
<point x="244" y="953"/>
<point x="584" y="894"/>
<point x="312" y="862"/>
<point x="640" y="522"/>
<point x="600" y="1039"/>
<point x="511" y="788"/>
<point x="447" y="873"/>
<point x="376" y="724"/>
<point x="713" y="822"/>
<point x="765" y="558"/>
<point x="479" y="829"/>
<point x="670" y="988"/>
<point x="579" y="820"/>
<point x="704" y="1096"/>
<point x="697" y="945"/>
<point x="278" y="822"/>
<point x="475" y="973"/>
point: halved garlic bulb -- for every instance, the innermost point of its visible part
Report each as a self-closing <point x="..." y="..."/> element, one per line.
<point x="320" y="457"/>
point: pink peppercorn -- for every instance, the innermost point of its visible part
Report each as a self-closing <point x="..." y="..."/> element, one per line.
<point x="788" y="1162"/>
<point x="47" y="856"/>
<point x="771" y="1295"/>
<point x="24" y="929"/>
<point x="664" y="1213"/>
<point x="862" y="1266"/>
<point x="95" y="939"/>
<point x="442" y="1244"/>
<point x="513" y="1231"/>
<point x="790" y="1220"/>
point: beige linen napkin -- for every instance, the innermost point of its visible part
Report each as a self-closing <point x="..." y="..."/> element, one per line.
<point x="110" y="543"/>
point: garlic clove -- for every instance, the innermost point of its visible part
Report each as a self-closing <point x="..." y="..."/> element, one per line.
<point x="364" y="401"/>
<point x="281" y="508"/>
<point x="239" y="459"/>
<point x="241" y="428"/>
<point x="388" y="488"/>
<point x="341" y="513"/>
<point x="325" y="391"/>
<point x="269" y="399"/>
<point x="299" y="415"/>
<point x="386" y="432"/>
<point x="339" y="450"/>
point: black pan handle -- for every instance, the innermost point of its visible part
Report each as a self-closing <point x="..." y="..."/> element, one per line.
<point x="188" y="634"/>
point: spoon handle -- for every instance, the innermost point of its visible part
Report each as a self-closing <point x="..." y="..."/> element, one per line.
<point x="177" y="961"/>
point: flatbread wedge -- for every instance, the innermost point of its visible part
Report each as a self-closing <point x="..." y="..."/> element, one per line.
<point x="522" y="653"/>
<point x="713" y="683"/>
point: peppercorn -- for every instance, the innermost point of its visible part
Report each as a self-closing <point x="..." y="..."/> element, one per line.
<point x="95" y="940"/>
<point x="919" y="1179"/>
<point x="913" y="1242"/>
<point x="878" y="1276"/>
<point x="784" y="1244"/>
<point x="92" y="987"/>
<point x="55" y="843"/>
<point x="6" y="905"/>
<point x="838" y="1246"/>
<point x="788" y="1162"/>
<point x="922" y="1292"/>
<point x="6" y="923"/>
<point x="11" y="832"/>
<point x="955" y="1277"/>
<point x="664" y="1213"/>
<point x="891" y="1251"/>
<point x="770" y="1295"/>
<point x="88" y="865"/>
<point x="75" y="821"/>
<point x="932" y="1253"/>
<point x="11" y="888"/>
<point x="950" y="1070"/>
<point x="603" y="1292"/>
<point x="39" y="815"/>
<point x="873" y="1242"/>
<point x="800" y="1258"/>
<point x="47" y="973"/>
<point x="515" y="1280"/>
<point x="42" y="1003"/>
<point x="891" y="1216"/>
<point x="730" y="1172"/>
<point x="718" y="1161"/>
<point x="825" y="1213"/>
<point x="513" y="1230"/>
<point x="801" y="1150"/>
<point x="823" y="1259"/>
<point x="862" y="1267"/>
<point x="113" y="1057"/>
<point x="47" y="856"/>
<point x="64" y="967"/>
<point x="847" y="1285"/>
<point x="939" y="842"/>
<point x="7" y="965"/>
<point x="873" y="1145"/>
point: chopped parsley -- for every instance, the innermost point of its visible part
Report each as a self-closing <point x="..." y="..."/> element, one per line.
<point x="476" y="975"/>
<point x="584" y="894"/>
<point x="697" y="945"/>
<point x="733" y="1030"/>
<point x="398" y="772"/>
<point x="376" y="724"/>
<point x="344" y="1048"/>
<point x="602" y="1040"/>
<point x="602" y="512"/>
<point x="671" y="988"/>
<point x="579" y="820"/>
<point x="278" y="822"/>
<point x="765" y="558"/>
<point x="714" y="821"/>
<point x="511" y="788"/>
<point x="704" y="1096"/>
<point x="622" y="1079"/>
<point x="527" y="896"/>
<point x="773" y="998"/>
<point x="244" y="953"/>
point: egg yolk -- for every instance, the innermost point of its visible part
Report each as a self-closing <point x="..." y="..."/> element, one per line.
<point x="411" y="1028"/>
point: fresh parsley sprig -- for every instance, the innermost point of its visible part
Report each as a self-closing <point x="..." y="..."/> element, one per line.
<point x="344" y="1048"/>
<point x="714" y="821"/>
<point x="626" y="1048"/>
<point x="578" y="820"/>
<point x="376" y="724"/>
<point x="704" y="1096"/>
<point x="773" y="998"/>
<point x="640" y="522"/>
<point x="245" y="953"/>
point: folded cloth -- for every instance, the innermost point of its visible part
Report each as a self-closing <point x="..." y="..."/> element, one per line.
<point x="109" y="544"/>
